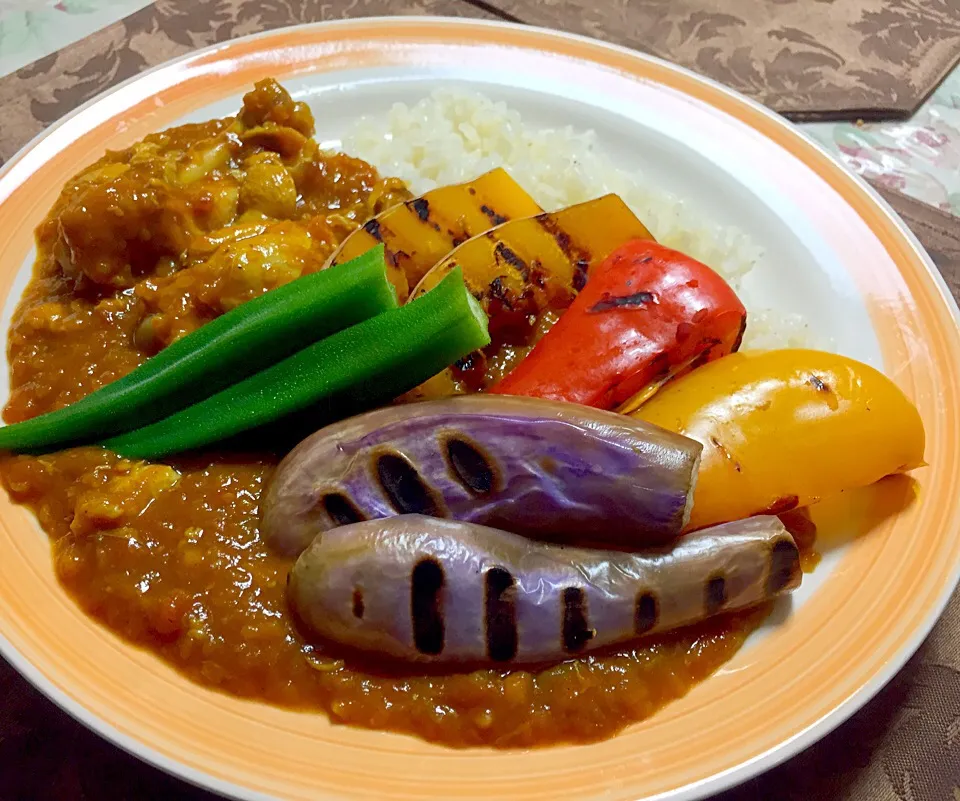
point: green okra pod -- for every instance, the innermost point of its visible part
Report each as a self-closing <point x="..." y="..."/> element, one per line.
<point x="235" y="345"/>
<point x="370" y="363"/>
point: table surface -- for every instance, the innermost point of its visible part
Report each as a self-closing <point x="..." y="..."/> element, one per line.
<point x="905" y="746"/>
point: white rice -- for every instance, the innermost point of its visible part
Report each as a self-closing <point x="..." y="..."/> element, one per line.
<point x="454" y="136"/>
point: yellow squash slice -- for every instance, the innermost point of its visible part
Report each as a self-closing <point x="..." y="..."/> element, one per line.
<point x="556" y="249"/>
<point x="524" y="273"/>
<point x="418" y="233"/>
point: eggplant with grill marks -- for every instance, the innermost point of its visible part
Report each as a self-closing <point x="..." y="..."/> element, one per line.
<point x="548" y="470"/>
<point x="421" y="589"/>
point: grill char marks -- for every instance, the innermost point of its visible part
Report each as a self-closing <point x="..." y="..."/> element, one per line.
<point x="646" y="612"/>
<point x="504" y="255"/>
<point x="635" y="301"/>
<point x="422" y="208"/>
<point x="471" y="467"/>
<point x="784" y="566"/>
<point x="500" y="614"/>
<point x="426" y="606"/>
<point x="341" y="509"/>
<point x="403" y="485"/>
<point x="578" y="256"/>
<point x="492" y="215"/>
<point x="372" y="227"/>
<point x="715" y="595"/>
<point x="575" y="630"/>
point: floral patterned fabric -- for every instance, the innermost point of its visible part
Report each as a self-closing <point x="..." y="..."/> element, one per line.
<point x="30" y="29"/>
<point x="919" y="157"/>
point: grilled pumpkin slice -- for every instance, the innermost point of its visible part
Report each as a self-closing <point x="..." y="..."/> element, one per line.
<point x="418" y="233"/>
<point x="525" y="273"/>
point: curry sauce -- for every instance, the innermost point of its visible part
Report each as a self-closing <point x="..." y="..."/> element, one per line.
<point x="147" y="245"/>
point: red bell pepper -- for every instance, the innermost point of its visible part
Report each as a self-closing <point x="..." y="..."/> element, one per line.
<point x="646" y="314"/>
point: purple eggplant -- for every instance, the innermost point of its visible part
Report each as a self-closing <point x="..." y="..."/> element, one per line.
<point x="540" y="468"/>
<point x="420" y="589"/>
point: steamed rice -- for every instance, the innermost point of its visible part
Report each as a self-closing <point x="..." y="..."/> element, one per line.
<point x="454" y="136"/>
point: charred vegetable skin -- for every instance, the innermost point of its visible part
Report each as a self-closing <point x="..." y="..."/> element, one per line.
<point x="646" y="314"/>
<point x="770" y="424"/>
<point x="421" y="589"/>
<point x="420" y="232"/>
<point x="525" y="271"/>
<point x="549" y="470"/>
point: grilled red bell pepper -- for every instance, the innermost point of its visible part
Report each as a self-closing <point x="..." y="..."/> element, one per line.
<point x="647" y="314"/>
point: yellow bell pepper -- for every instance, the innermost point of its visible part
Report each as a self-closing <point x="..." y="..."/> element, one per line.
<point x="558" y="247"/>
<point x="782" y="429"/>
<point x="420" y="232"/>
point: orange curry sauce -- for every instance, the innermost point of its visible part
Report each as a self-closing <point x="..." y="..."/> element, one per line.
<point x="145" y="246"/>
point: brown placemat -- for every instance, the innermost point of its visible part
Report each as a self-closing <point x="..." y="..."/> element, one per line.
<point x="904" y="746"/>
<point x="938" y="231"/>
<point x="807" y="59"/>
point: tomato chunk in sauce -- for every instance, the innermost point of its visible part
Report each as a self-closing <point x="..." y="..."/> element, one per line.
<point x="149" y="244"/>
